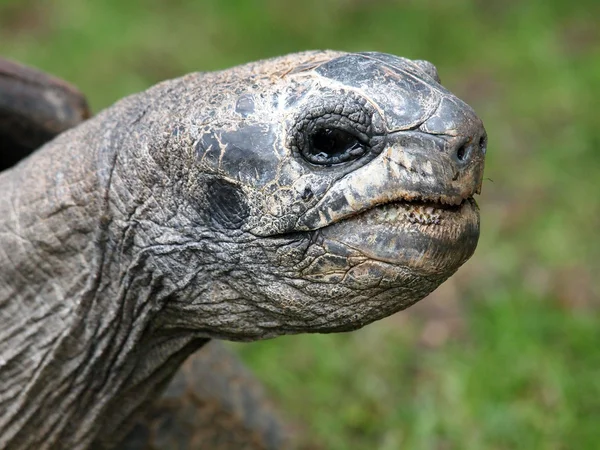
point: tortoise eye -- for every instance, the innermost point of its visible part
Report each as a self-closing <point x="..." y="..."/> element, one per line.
<point x="333" y="146"/>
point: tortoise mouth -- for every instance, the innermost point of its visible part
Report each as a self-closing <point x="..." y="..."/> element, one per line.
<point x="423" y="234"/>
<point x="417" y="211"/>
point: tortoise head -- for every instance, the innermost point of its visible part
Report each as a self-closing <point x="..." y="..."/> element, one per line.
<point x="316" y="192"/>
<point x="327" y="190"/>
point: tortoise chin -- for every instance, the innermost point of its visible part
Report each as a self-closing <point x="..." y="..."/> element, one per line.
<point x="429" y="238"/>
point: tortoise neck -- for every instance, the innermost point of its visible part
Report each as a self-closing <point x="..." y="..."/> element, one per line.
<point x="47" y="267"/>
<point x="80" y="349"/>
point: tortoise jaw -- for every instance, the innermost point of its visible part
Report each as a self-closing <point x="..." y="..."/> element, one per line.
<point x="407" y="208"/>
<point x="426" y="237"/>
<point x="420" y="212"/>
<point x="416" y="209"/>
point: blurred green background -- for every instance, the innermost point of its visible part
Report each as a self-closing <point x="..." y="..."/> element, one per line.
<point x="504" y="355"/>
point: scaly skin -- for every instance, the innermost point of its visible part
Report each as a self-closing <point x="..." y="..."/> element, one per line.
<point x="213" y="401"/>
<point x="216" y="206"/>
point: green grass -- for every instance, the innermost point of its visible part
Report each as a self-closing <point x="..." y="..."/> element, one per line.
<point x="526" y="375"/>
<point x="517" y="363"/>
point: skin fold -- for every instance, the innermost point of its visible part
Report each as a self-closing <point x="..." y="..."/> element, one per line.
<point x="213" y="401"/>
<point x="315" y="192"/>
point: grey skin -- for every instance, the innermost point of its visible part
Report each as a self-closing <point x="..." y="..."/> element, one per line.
<point x="213" y="401"/>
<point x="315" y="192"/>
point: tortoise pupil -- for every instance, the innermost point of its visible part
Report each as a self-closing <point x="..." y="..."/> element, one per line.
<point x="335" y="145"/>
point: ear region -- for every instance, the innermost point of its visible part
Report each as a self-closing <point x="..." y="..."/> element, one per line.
<point x="227" y="203"/>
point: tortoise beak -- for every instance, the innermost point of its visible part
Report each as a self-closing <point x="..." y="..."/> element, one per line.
<point x="414" y="166"/>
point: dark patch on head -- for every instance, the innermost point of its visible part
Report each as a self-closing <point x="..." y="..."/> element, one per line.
<point x="245" y="105"/>
<point x="227" y="203"/>
<point x="406" y="98"/>
<point x="248" y="154"/>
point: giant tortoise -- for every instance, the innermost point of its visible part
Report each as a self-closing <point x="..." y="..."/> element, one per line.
<point x="315" y="192"/>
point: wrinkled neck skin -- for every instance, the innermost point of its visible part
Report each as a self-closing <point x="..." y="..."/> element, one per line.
<point x="123" y="251"/>
<point x="100" y="264"/>
<point x="80" y="345"/>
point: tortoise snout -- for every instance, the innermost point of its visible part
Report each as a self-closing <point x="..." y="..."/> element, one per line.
<point x="467" y="153"/>
<point x="461" y="128"/>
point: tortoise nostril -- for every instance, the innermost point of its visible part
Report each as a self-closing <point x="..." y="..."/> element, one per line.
<point x="483" y="144"/>
<point x="461" y="153"/>
<point x="466" y="150"/>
